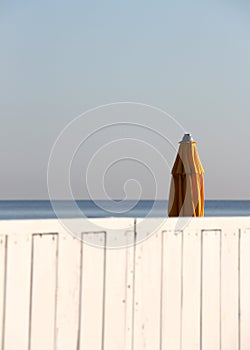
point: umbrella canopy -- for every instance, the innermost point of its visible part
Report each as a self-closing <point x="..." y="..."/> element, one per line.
<point x="186" y="196"/>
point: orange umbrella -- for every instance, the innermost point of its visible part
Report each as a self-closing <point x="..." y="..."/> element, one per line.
<point x="186" y="196"/>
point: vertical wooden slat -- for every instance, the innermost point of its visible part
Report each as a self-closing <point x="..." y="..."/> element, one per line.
<point x="43" y="292"/>
<point x="229" y="290"/>
<point x="210" y="320"/>
<point x="147" y="314"/>
<point x="18" y="292"/>
<point x="69" y="269"/>
<point x="171" y="289"/>
<point x="190" y="338"/>
<point x="118" y="295"/>
<point x="3" y="269"/>
<point x="245" y="289"/>
<point x="93" y="293"/>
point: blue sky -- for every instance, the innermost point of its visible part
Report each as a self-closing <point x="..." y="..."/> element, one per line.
<point x="190" y="58"/>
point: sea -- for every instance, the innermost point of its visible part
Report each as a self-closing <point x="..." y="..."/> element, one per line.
<point x="43" y="209"/>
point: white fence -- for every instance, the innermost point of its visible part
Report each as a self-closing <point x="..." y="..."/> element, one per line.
<point x="183" y="289"/>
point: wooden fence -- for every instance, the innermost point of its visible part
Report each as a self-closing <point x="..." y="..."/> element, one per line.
<point x="179" y="289"/>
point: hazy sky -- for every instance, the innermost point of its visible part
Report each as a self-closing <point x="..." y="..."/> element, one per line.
<point x="60" y="58"/>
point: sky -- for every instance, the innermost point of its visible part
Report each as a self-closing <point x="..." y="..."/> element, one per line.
<point x="60" y="59"/>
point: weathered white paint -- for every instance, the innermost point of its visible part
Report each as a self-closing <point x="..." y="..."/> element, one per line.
<point x="92" y="302"/>
<point x="3" y="246"/>
<point x="244" y="289"/>
<point x="229" y="290"/>
<point x="147" y="293"/>
<point x="191" y="291"/>
<point x="69" y="276"/>
<point x="118" y="296"/>
<point x="211" y="290"/>
<point x="184" y="286"/>
<point x="43" y="292"/>
<point x="172" y="250"/>
<point x="18" y="292"/>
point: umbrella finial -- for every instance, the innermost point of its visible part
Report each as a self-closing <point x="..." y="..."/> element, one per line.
<point x="187" y="138"/>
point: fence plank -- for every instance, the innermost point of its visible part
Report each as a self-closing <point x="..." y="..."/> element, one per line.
<point x="3" y="256"/>
<point x="210" y="321"/>
<point x="147" y="293"/>
<point x="119" y="295"/>
<point x="69" y="270"/>
<point x="245" y="289"/>
<point x="229" y="290"/>
<point x="18" y="292"/>
<point x="92" y="293"/>
<point x="44" y="283"/>
<point x="190" y="339"/>
<point x="171" y="290"/>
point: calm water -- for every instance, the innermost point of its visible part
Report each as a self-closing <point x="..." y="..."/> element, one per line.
<point x="44" y="210"/>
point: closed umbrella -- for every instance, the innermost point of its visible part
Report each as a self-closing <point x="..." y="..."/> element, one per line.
<point x="186" y="197"/>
